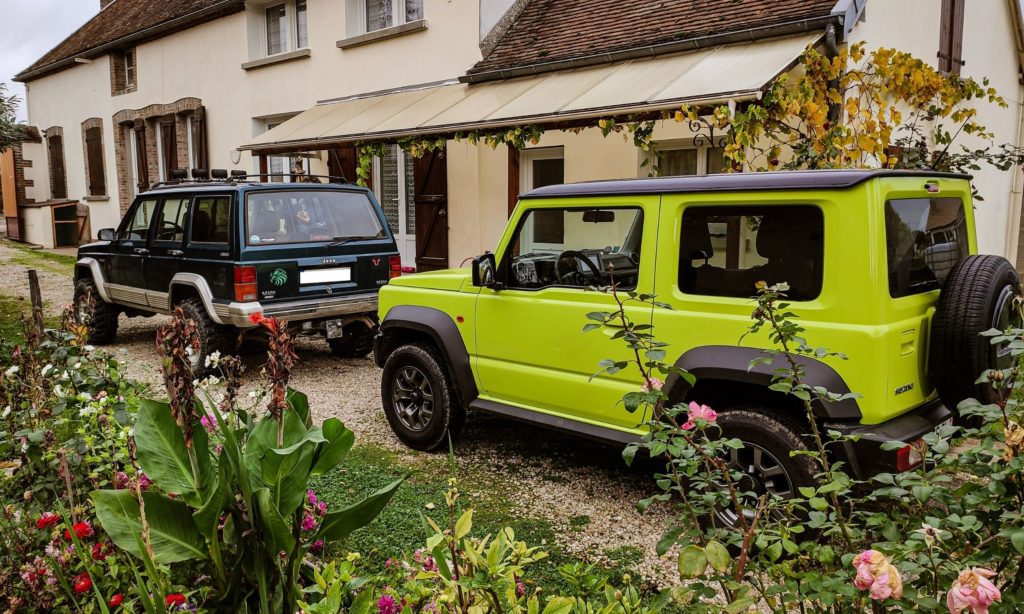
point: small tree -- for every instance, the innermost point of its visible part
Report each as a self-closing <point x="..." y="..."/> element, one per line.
<point x="885" y="108"/>
<point x="11" y="131"/>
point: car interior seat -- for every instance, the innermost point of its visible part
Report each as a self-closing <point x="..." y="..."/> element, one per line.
<point x="792" y="245"/>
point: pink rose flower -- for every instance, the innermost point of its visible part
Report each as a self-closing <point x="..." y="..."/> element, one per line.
<point x="699" y="412"/>
<point x="972" y="590"/>
<point x="653" y="384"/>
<point x="876" y="573"/>
<point x="209" y="423"/>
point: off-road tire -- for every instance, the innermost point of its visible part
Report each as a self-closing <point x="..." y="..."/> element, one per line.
<point x="103" y="322"/>
<point x="356" y="341"/>
<point x="213" y="337"/>
<point x="972" y="297"/>
<point x="773" y="432"/>
<point x="447" y="414"/>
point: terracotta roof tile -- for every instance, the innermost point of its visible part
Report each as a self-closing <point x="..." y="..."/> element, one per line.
<point x="125" y="18"/>
<point x="553" y="30"/>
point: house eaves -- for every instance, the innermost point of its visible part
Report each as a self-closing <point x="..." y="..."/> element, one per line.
<point x="176" y="24"/>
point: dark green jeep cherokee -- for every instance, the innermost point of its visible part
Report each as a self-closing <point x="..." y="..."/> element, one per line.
<point x="314" y="254"/>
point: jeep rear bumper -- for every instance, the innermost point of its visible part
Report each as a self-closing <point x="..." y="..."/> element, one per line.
<point x="238" y="314"/>
<point x="865" y="456"/>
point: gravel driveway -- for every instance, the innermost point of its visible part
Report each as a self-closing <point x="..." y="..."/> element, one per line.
<point x="553" y="476"/>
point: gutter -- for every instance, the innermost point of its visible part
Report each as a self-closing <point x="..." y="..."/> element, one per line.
<point x="222" y="8"/>
<point x="815" y="24"/>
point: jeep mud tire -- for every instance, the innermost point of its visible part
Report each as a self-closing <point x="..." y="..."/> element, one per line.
<point x="978" y="295"/>
<point x="356" y="341"/>
<point x="102" y="324"/>
<point x="765" y="460"/>
<point x="419" y="399"/>
<point x="213" y="337"/>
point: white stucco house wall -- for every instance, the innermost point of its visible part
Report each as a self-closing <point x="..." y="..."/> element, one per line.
<point x="348" y="72"/>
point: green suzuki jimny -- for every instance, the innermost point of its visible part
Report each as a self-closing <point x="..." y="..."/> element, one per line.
<point x="880" y="266"/>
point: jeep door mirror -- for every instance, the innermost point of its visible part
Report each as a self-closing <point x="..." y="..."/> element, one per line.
<point x="106" y="234"/>
<point x="485" y="271"/>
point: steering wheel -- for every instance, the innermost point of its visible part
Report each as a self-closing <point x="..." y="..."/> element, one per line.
<point x="172" y="226"/>
<point x="576" y="277"/>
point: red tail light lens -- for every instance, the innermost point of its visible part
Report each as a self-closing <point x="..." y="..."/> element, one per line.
<point x="245" y="284"/>
<point x="910" y="456"/>
<point x="395" y="263"/>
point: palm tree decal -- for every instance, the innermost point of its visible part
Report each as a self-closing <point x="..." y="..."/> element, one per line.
<point x="278" y="277"/>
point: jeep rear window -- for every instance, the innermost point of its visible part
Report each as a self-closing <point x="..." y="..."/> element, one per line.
<point x="725" y="251"/>
<point x="925" y="237"/>
<point x="308" y="216"/>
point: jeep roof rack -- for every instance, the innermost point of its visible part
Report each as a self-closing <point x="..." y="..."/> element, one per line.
<point x="203" y="176"/>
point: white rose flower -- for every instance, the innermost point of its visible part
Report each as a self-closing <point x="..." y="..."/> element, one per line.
<point x="11" y="371"/>
<point x="89" y="348"/>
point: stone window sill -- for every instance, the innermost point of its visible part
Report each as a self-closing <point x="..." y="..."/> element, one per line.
<point x="96" y="199"/>
<point x="277" y="58"/>
<point x="127" y="90"/>
<point x="372" y="37"/>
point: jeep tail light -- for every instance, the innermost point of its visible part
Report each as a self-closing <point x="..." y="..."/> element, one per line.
<point x="910" y="456"/>
<point x="395" y="263"/>
<point x="245" y="284"/>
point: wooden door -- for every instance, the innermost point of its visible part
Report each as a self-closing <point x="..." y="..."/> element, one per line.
<point x="430" y="196"/>
<point x="341" y="162"/>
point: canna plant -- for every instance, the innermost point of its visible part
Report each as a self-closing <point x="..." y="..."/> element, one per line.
<point x="240" y="509"/>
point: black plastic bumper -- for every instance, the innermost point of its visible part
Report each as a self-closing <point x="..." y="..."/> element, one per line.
<point x="865" y="456"/>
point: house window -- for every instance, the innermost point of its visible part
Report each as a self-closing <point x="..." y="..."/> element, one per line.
<point x="167" y="146"/>
<point x="372" y="15"/>
<point x="951" y="36"/>
<point x="393" y="184"/>
<point x="95" y="174"/>
<point x="123" y="72"/>
<point x="673" y="160"/>
<point x="278" y="27"/>
<point x="55" y="155"/>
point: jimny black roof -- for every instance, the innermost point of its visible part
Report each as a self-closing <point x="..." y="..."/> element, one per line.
<point x="732" y="182"/>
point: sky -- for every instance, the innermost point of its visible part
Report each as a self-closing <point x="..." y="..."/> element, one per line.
<point x="30" y="29"/>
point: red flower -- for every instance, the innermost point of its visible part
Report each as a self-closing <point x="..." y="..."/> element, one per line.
<point x="98" y="551"/>
<point x="47" y="520"/>
<point x="83" y="583"/>
<point x="256" y="318"/>
<point x="175" y="599"/>
<point x="82" y="530"/>
<point x="116" y="600"/>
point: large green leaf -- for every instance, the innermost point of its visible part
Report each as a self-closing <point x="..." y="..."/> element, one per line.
<point x="289" y="484"/>
<point x="263" y="464"/>
<point x="313" y="436"/>
<point x="338" y="525"/>
<point x="299" y="402"/>
<point x="172" y="531"/>
<point x="278" y="536"/>
<point x="162" y="452"/>
<point x="207" y="517"/>
<point x="339" y="442"/>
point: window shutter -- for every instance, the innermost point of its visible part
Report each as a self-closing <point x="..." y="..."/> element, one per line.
<point x="169" y="143"/>
<point x="199" y="137"/>
<point x="94" y="153"/>
<point x="951" y="36"/>
<point x="341" y="162"/>
<point x="58" y="179"/>
<point x="141" y="159"/>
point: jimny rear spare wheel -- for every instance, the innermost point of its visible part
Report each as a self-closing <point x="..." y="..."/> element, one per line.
<point x="978" y="295"/>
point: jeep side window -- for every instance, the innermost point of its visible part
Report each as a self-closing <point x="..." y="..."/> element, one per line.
<point x="724" y="251"/>
<point x="171" y="226"/>
<point x="576" y="248"/>
<point x="924" y="238"/>
<point x="136" y="226"/>
<point x="211" y="220"/>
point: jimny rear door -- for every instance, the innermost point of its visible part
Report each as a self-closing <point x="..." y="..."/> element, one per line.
<point x="316" y="243"/>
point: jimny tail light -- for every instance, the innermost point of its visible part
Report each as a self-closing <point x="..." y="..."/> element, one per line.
<point x="395" y="263"/>
<point x="245" y="284"/>
<point x="910" y="456"/>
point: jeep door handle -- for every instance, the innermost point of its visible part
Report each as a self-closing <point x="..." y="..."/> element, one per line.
<point x="175" y="252"/>
<point x="141" y="251"/>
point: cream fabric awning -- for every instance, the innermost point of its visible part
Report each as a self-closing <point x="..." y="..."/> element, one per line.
<point x="737" y="72"/>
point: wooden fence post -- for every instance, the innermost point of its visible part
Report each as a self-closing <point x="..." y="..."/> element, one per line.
<point x="37" y="301"/>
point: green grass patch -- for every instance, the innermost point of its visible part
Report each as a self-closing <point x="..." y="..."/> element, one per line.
<point x="11" y="329"/>
<point x="579" y="522"/>
<point x="41" y="259"/>
<point x="400" y="529"/>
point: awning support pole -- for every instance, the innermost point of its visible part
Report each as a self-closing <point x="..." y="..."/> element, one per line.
<point x="264" y="166"/>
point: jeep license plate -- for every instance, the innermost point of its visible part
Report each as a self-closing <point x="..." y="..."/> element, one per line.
<point x="333" y="328"/>
<point x="325" y="276"/>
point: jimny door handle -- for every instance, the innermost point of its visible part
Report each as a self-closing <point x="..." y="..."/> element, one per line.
<point x="141" y="251"/>
<point x="175" y="252"/>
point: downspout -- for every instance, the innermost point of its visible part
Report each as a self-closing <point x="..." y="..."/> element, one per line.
<point x="832" y="50"/>
<point x="1016" y="195"/>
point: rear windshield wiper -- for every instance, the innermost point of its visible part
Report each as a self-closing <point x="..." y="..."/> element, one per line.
<point x="343" y="240"/>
